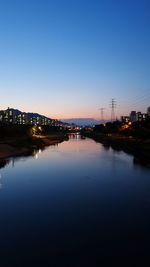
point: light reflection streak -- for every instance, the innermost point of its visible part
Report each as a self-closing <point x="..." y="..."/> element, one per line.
<point x="1" y="185"/>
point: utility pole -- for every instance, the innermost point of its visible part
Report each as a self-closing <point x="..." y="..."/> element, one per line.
<point x="102" y="114"/>
<point x="113" y="106"/>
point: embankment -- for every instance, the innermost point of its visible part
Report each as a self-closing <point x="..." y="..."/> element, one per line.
<point x="139" y="148"/>
<point x="24" y="145"/>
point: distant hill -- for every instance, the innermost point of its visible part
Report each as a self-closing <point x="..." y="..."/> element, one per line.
<point x="30" y="114"/>
<point x="82" y="122"/>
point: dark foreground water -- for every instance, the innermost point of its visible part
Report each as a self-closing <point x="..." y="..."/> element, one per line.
<point x="75" y="204"/>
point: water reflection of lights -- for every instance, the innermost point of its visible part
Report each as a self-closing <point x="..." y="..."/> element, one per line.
<point x="1" y="181"/>
<point x="36" y="155"/>
<point x="74" y="135"/>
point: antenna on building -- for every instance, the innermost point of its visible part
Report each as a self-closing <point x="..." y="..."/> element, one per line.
<point x="113" y="106"/>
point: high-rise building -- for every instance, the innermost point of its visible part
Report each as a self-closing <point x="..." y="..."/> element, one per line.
<point x="15" y="116"/>
<point x="141" y="116"/>
<point x="148" y="111"/>
<point x="133" y="116"/>
<point x="125" y="119"/>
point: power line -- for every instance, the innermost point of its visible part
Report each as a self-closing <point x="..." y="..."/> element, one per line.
<point x="137" y="101"/>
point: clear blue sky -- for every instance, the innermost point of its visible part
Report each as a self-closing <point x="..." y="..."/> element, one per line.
<point x="67" y="58"/>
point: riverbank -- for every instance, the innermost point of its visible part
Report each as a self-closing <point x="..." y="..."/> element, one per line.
<point x="13" y="147"/>
<point x="139" y="148"/>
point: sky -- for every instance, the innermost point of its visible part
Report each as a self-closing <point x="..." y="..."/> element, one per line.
<point x="68" y="58"/>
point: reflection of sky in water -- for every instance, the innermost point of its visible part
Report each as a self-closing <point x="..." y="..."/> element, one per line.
<point x="71" y="193"/>
<point x="71" y="160"/>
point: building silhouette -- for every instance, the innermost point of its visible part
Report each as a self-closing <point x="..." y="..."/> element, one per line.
<point x="15" y="116"/>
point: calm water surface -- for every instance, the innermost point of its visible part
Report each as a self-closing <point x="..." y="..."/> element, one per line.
<point x="75" y="204"/>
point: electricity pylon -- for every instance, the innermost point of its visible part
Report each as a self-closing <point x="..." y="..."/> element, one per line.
<point x="113" y="106"/>
<point x="102" y="114"/>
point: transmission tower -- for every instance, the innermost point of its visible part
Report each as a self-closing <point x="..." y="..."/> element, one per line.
<point x="113" y="106"/>
<point x="102" y="114"/>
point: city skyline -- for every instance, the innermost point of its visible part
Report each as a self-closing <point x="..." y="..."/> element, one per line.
<point x="67" y="59"/>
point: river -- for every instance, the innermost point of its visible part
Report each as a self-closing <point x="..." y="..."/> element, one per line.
<point x="74" y="204"/>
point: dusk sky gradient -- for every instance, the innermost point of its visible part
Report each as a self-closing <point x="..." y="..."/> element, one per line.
<point x="68" y="58"/>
